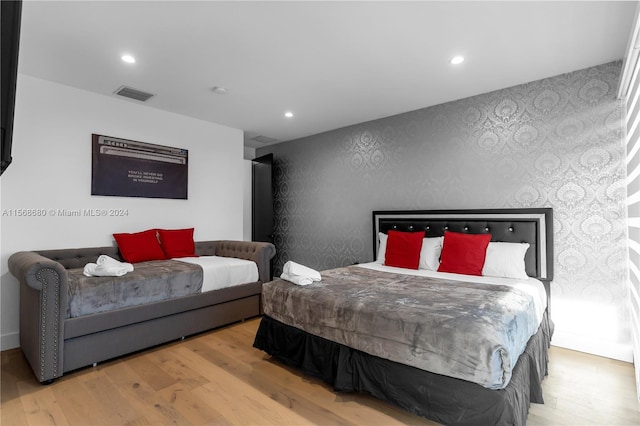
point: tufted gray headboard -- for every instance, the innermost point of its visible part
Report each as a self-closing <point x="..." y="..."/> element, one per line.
<point x="533" y="226"/>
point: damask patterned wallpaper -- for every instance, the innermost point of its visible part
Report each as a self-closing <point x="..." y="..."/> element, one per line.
<point x="556" y="142"/>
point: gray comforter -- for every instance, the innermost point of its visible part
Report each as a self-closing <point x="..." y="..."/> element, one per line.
<point x="470" y="331"/>
<point x="149" y="282"/>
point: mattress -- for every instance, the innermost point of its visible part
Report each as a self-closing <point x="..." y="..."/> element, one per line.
<point x="155" y="281"/>
<point x="221" y="272"/>
<point x="443" y="323"/>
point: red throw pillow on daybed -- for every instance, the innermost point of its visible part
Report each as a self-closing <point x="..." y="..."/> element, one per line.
<point x="463" y="253"/>
<point x="403" y="249"/>
<point x="139" y="246"/>
<point x="177" y="242"/>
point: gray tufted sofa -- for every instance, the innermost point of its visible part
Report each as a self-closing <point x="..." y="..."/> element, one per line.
<point x="54" y="344"/>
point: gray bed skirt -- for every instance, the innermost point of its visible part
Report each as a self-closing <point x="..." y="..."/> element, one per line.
<point x="443" y="399"/>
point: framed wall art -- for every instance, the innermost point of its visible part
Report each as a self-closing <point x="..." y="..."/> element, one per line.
<point x="126" y="168"/>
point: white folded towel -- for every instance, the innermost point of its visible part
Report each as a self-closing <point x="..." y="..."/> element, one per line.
<point x="296" y="279"/>
<point x="293" y="268"/>
<point x="299" y="274"/>
<point x="107" y="266"/>
<point x="103" y="259"/>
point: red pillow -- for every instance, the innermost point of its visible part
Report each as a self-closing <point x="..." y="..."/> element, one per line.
<point x="463" y="253"/>
<point x="177" y="242"/>
<point x="403" y="249"/>
<point x="139" y="246"/>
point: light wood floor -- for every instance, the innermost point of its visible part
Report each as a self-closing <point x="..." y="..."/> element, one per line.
<point x="219" y="378"/>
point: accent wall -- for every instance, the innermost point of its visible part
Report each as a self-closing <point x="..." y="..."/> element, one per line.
<point x="556" y="142"/>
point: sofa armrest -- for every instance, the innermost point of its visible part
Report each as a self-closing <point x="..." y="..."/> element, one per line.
<point x="259" y="252"/>
<point x="43" y="305"/>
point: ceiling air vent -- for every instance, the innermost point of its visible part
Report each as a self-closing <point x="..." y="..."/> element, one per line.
<point x="130" y="92"/>
<point x="264" y="139"/>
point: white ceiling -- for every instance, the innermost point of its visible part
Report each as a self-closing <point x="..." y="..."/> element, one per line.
<point x="332" y="63"/>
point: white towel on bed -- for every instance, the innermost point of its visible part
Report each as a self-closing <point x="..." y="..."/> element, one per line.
<point x="299" y="274"/>
<point x="107" y="266"/>
<point x="103" y="259"/>
<point x="296" y="279"/>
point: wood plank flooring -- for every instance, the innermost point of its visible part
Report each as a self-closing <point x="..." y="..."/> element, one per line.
<point x="218" y="378"/>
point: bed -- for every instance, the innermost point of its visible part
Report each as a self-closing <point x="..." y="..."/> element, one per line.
<point x="453" y="348"/>
<point x="69" y="321"/>
<point x="155" y="281"/>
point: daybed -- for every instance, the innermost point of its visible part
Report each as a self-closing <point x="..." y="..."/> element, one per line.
<point x="458" y="349"/>
<point x="55" y="343"/>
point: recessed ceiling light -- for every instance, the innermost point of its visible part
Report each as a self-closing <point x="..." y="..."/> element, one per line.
<point x="457" y="60"/>
<point x="128" y="59"/>
<point x="219" y="90"/>
<point x="288" y="114"/>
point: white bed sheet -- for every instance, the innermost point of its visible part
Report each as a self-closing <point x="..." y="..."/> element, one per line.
<point x="221" y="272"/>
<point x="531" y="286"/>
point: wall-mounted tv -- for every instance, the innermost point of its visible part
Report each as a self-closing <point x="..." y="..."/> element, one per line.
<point x="11" y="12"/>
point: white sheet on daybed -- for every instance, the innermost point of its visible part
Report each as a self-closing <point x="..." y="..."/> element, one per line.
<point x="221" y="272"/>
<point x="531" y="286"/>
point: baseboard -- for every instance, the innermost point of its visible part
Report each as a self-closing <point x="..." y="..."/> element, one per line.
<point x="619" y="351"/>
<point x="9" y="341"/>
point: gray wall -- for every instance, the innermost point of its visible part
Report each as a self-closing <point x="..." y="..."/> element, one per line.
<point x="555" y="143"/>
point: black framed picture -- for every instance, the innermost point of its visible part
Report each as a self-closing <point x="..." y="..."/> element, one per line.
<point x="126" y="168"/>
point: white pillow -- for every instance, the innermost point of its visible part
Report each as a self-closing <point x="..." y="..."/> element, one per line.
<point x="430" y="253"/>
<point x="382" y="247"/>
<point x="505" y="260"/>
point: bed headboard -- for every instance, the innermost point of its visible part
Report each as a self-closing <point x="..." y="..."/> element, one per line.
<point x="533" y="226"/>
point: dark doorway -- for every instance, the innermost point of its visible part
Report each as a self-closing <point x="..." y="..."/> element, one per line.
<point x="262" y="199"/>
